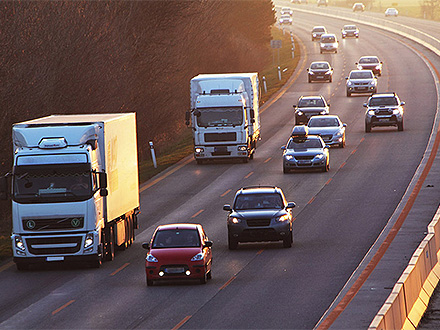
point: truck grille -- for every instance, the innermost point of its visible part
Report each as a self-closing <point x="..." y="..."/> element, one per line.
<point x="258" y="222"/>
<point x="220" y="137"/>
<point x="54" y="245"/>
<point x="53" y="224"/>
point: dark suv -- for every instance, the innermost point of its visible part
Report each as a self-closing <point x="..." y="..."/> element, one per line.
<point x="384" y="109"/>
<point x="309" y="106"/>
<point x="259" y="214"/>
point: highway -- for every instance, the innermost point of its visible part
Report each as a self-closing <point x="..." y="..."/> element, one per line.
<point x="339" y="214"/>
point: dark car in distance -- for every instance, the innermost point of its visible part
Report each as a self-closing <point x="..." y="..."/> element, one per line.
<point x="259" y="214"/>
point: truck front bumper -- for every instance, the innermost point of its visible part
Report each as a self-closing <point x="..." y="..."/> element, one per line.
<point x="221" y="151"/>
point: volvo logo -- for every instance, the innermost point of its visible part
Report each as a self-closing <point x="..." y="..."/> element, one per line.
<point x="75" y="222"/>
<point x="30" y="224"/>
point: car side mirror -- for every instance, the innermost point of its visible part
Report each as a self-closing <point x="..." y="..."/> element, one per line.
<point x="346" y="78"/>
<point x="294" y="106"/>
<point x="402" y="103"/>
<point x="227" y="207"/>
<point x="146" y="246"/>
<point x="207" y="244"/>
<point x="356" y="63"/>
<point x="327" y="146"/>
<point x="290" y="205"/>
<point x="283" y="148"/>
<point x="344" y="125"/>
<point x="365" y="105"/>
<point x="328" y="104"/>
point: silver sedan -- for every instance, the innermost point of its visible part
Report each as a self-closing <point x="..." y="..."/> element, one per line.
<point x="329" y="128"/>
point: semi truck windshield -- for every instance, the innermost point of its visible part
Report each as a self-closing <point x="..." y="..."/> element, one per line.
<point x="209" y="117"/>
<point x="52" y="183"/>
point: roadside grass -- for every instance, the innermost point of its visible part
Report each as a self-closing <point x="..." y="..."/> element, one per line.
<point x="170" y="153"/>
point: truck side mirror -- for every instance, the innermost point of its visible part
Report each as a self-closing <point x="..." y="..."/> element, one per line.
<point x="187" y="118"/>
<point x="102" y="180"/>
<point x="3" y="188"/>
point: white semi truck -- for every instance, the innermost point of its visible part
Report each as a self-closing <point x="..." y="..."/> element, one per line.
<point x="75" y="188"/>
<point x="224" y="116"/>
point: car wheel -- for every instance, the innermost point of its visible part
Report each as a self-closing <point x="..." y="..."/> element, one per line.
<point x="232" y="243"/>
<point x="320" y="51"/>
<point x="310" y="79"/>
<point x="204" y="279"/>
<point x="357" y="36"/>
<point x="348" y="94"/>
<point x="150" y="282"/>
<point x="330" y="79"/>
<point x="326" y="167"/>
<point x="367" y="128"/>
<point x="209" y="275"/>
<point x="285" y="170"/>
<point x="400" y="126"/>
<point x="287" y="242"/>
<point x="342" y="145"/>
<point x="343" y="37"/>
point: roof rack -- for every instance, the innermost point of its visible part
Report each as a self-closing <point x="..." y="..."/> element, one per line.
<point x="253" y="187"/>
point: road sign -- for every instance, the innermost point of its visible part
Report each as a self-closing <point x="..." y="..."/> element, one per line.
<point x="275" y="44"/>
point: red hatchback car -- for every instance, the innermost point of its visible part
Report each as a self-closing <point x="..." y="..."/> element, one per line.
<point x="178" y="251"/>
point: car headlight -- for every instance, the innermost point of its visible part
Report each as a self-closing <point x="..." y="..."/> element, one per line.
<point x="371" y="112"/>
<point x="198" y="256"/>
<point x="19" y="244"/>
<point x="311" y="72"/>
<point x="349" y="83"/>
<point x="314" y="34"/>
<point x="151" y="258"/>
<point x="283" y="218"/>
<point x="338" y="134"/>
<point x="199" y="150"/>
<point x="329" y="72"/>
<point x="299" y="113"/>
<point x="320" y="156"/>
<point x="377" y="67"/>
<point x="323" y="112"/>
<point x="88" y="242"/>
<point x="235" y="220"/>
<point x="396" y="112"/>
<point x="288" y="157"/>
<point x="372" y="83"/>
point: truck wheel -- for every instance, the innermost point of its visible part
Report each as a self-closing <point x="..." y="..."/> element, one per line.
<point x="110" y="245"/>
<point x="96" y="263"/>
<point x="22" y="266"/>
<point x="287" y="242"/>
<point x="232" y="243"/>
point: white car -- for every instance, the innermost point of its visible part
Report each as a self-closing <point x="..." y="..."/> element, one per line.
<point x="286" y="11"/>
<point x="391" y="12"/>
<point x="361" y="81"/>
<point x="329" y="43"/>
<point x="286" y="19"/>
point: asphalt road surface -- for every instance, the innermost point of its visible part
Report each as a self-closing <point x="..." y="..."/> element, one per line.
<point x="339" y="215"/>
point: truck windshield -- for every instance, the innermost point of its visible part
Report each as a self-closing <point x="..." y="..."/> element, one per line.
<point x="52" y="183"/>
<point x="220" y="116"/>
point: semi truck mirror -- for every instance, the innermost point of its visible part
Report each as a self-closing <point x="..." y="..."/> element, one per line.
<point x="187" y="118"/>
<point x="102" y="180"/>
<point x="3" y="188"/>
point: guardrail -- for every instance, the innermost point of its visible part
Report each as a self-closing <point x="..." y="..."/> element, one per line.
<point x="410" y="296"/>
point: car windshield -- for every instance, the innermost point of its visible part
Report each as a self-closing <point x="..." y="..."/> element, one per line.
<point x="258" y="201"/>
<point x="323" y="122"/>
<point x="367" y="60"/>
<point x="318" y="30"/>
<point x="173" y="238"/>
<point x="308" y="103"/>
<point x="220" y="117"/>
<point x="383" y="101"/>
<point x="298" y="144"/>
<point x="318" y="66"/>
<point x="361" y="75"/>
<point x="328" y="39"/>
<point x="349" y="27"/>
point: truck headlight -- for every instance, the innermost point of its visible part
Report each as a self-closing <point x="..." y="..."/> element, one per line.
<point x="88" y="242"/>
<point x="199" y="150"/>
<point x="19" y="245"/>
<point x="242" y="148"/>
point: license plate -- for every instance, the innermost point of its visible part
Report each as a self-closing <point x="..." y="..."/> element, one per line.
<point x="54" y="258"/>
<point x="384" y="119"/>
<point x="174" y="270"/>
<point x="320" y="77"/>
<point x="220" y="149"/>
<point x="304" y="162"/>
<point x="362" y="88"/>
